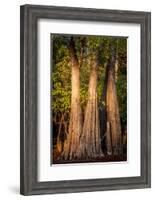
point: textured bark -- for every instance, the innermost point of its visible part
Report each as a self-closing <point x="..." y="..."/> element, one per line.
<point x="75" y="126"/>
<point x="90" y="142"/>
<point x="113" y="116"/>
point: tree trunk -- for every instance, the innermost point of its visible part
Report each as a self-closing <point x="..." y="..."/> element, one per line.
<point x="59" y="141"/>
<point x="113" y="116"/>
<point x="75" y="125"/>
<point x="90" y="143"/>
<point x="62" y="133"/>
<point x="108" y="139"/>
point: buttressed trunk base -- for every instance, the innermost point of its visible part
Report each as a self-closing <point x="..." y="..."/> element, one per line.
<point x="90" y="143"/>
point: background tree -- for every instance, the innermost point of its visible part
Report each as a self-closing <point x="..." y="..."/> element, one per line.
<point x="112" y="107"/>
<point x="61" y="91"/>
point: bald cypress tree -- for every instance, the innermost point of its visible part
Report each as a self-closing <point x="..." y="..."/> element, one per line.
<point x="75" y="125"/>
<point x="114" y="135"/>
<point x="90" y="143"/>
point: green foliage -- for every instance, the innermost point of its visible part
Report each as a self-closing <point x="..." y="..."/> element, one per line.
<point x="61" y="76"/>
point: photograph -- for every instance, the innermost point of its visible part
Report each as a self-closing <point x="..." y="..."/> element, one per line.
<point x="88" y="99"/>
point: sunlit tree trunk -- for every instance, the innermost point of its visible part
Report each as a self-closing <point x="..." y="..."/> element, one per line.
<point x="75" y="125"/>
<point x="90" y="143"/>
<point x="113" y="116"/>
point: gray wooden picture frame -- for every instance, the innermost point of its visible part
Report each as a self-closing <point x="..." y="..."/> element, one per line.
<point x="30" y="14"/>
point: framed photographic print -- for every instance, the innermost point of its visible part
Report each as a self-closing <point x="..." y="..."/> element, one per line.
<point x="85" y="99"/>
